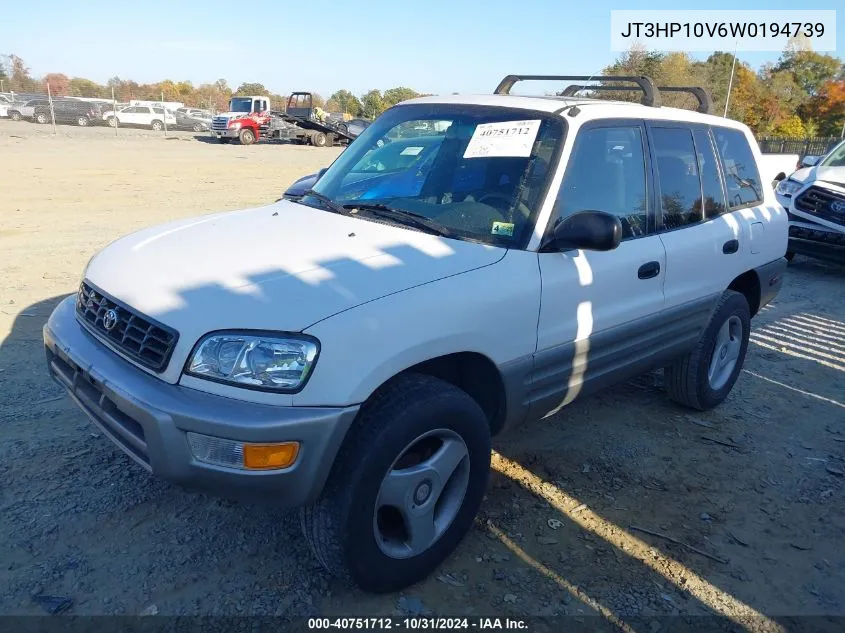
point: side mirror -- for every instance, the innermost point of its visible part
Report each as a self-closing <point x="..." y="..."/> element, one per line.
<point x="809" y="161"/>
<point x="321" y="172"/>
<point x="585" y="230"/>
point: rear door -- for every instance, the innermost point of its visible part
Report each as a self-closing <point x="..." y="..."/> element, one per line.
<point x="599" y="312"/>
<point x="703" y="240"/>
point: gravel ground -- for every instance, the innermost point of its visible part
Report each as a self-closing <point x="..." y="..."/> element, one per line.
<point x="622" y="505"/>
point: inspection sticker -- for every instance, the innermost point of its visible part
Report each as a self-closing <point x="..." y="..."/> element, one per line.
<point x="502" y="228"/>
<point x="508" y="138"/>
<point x="411" y="151"/>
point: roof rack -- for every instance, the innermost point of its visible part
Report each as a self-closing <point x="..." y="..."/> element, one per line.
<point x="651" y="96"/>
<point x="705" y="101"/>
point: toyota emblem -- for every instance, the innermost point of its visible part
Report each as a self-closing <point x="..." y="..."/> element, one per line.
<point x="110" y="319"/>
<point x="838" y="207"/>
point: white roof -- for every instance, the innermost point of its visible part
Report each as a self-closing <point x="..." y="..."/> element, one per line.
<point x="590" y="108"/>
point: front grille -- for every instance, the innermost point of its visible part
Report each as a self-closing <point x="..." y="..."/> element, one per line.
<point x="220" y="123"/>
<point x="821" y="202"/>
<point x="137" y="336"/>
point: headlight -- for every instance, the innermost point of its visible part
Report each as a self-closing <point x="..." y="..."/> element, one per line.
<point x="266" y="362"/>
<point x="788" y="187"/>
<point x="236" y="126"/>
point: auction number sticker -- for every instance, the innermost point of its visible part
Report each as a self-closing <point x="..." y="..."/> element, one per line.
<point x="507" y="138"/>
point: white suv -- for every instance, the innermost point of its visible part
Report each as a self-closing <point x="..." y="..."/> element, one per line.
<point x="141" y="116"/>
<point x="353" y="351"/>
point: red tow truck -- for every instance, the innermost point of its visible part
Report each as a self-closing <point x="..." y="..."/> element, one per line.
<point x="251" y="119"/>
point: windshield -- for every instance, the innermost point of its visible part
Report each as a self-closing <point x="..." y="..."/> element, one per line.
<point x="836" y="158"/>
<point x="240" y="105"/>
<point x="479" y="172"/>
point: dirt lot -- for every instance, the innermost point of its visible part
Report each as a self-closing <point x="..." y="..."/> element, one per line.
<point x="754" y="489"/>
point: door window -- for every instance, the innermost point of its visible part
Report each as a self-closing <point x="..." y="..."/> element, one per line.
<point x="606" y="172"/>
<point x="714" y="196"/>
<point x="678" y="177"/>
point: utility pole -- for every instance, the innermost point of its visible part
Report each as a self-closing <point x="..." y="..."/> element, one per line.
<point x="730" y="82"/>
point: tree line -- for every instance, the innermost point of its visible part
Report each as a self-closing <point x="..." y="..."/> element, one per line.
<point x="16" y="77"/>
<point x="802" y="94"/>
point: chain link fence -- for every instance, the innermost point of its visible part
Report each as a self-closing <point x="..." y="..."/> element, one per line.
<point x="159" y="115"/>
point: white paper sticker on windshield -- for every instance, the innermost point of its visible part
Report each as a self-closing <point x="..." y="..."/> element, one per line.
<point x="411" y="151"/>
<point x="508" y="138"/>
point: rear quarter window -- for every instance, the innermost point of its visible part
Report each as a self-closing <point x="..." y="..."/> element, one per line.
<point x="742" y="177"/>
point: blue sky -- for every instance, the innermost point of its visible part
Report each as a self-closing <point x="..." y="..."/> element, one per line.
<point x="439" y="46"/>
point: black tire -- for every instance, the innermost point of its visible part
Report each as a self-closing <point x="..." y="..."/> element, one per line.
<point x="343" y="129"/>
<point x="198" y="127"/>
<point x="15" y="115"/>
<point x="789" y="256"/>
<point x="112" y="121"/>
<point x="319" y="139"/>
<point x="687" y="380"/>
<point x="246" y="137"/>
<point x="41" y="118"/>
<point x="83" y="121"/>
<point x="156" y="126"/>
<point x="340" y="526"/>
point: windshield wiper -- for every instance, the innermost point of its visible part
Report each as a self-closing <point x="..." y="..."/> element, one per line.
<point x="402" y="216"/>
<point x="330" y="204"/>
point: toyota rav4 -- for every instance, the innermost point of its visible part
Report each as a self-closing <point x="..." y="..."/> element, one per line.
<point x="353" y="350"/>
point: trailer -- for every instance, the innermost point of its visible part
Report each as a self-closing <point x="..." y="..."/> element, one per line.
<point x="250" y="119"/>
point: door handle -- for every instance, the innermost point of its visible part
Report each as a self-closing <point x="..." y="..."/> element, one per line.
<point x="649" y="270"/>
<point x="730" y="247"/>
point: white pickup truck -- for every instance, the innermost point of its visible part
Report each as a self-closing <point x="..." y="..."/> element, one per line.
<point x="354" y="350"/>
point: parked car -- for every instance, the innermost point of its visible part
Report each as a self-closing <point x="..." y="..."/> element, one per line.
<point x="82" y="113"/>
<point x="26" y="109"/>
<point x="354" y="351"/>
<point x="814" y="197"/>
<point x="188" y="122"/>
<point x="140" y="116"/>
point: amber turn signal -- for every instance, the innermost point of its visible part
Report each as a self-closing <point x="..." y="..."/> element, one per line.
<point x="270" y="456"/>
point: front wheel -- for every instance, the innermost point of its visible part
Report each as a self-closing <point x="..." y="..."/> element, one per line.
<point x="157" y="126"/>
<point x="704" y="377"/>
<point x="16" y="116"/>
<point x="319" y="139"/>
<point x="82" y="121"/>
<point x="198" y="127"/>
<point x="112" y="121"/>
<point x="247" y="137"/>
<point x="405" y="486"/>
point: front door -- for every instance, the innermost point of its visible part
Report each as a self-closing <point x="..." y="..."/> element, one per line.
<point x="599" y="317"/>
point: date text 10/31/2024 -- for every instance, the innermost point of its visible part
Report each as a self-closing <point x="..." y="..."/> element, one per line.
<point x="417" y="623"/>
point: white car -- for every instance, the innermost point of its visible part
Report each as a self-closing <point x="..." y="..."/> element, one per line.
<point x="140" y="116"/>
<point x="354" y="351"/>
<point x="814" y="197"/>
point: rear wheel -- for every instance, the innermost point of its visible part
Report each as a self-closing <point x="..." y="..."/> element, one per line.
<point x="405" y="486"/>
<point x="157" y="126"/>
<point x="82" y="121"/>
<point x="41" y="118"/>
<point x="319" y="139"/>
<point x="247" y="137"/>
<point x="16" y="116"/>
<point x="705" y="376"/>
<point x="112" y="121"/>
<point x="198" y="127"/>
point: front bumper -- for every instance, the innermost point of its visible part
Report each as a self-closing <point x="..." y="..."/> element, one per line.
<point x="148" y="419"/>
<point x="227" y="133"/>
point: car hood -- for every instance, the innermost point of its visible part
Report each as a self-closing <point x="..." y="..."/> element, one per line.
<point x="281" y="267"/>
<point x="806" y="175"/>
